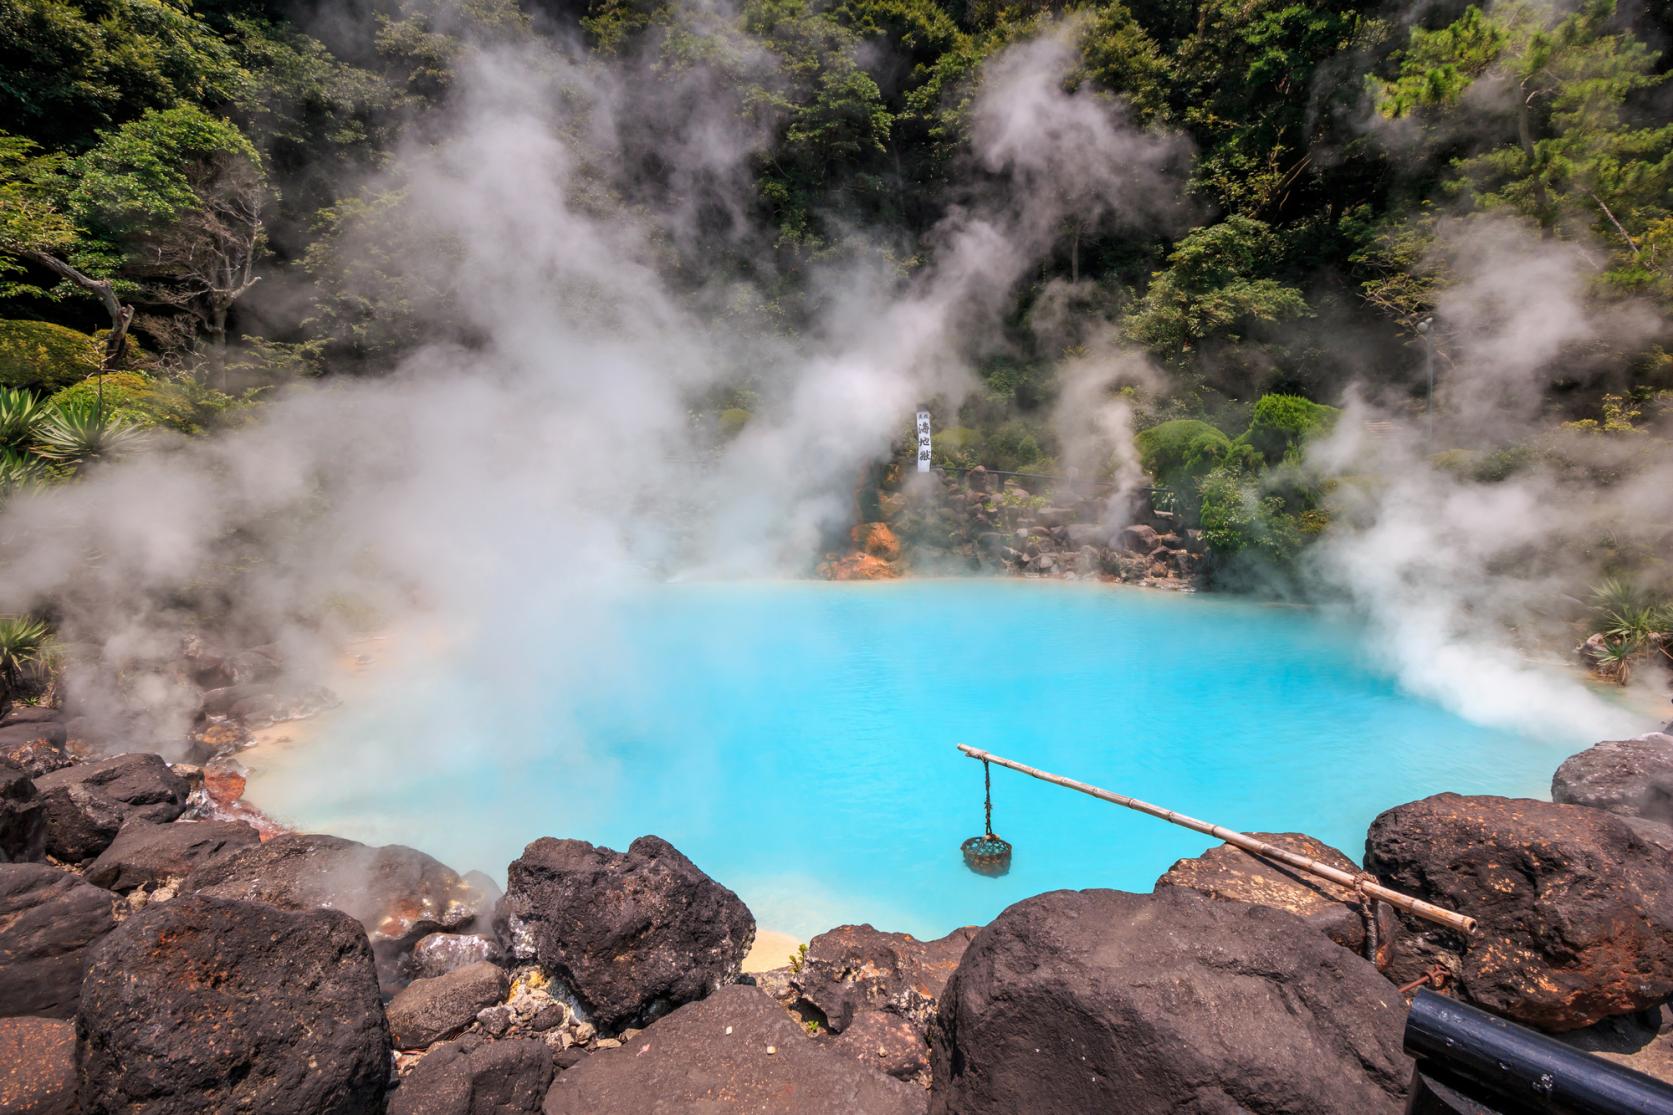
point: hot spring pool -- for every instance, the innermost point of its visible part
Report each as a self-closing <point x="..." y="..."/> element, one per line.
<point x="796" y="741"/>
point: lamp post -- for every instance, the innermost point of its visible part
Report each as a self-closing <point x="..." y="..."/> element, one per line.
<point x="1423" y="328"/>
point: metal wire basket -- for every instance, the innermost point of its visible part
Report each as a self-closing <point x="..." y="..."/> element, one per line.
<point x="987" y="855"/>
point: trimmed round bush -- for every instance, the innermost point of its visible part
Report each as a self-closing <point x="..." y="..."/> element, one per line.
<point x="1181" y="452"/>
<point x="1281" y="423"/>
<point x="41" y="354"/>
<point x="144" y="401"/>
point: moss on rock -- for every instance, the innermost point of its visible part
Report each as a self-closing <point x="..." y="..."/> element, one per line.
<point x="43" y="355"/>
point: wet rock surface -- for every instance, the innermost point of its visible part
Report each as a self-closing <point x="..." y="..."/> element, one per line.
<point x="18" y="737"/>
<point x="398" y="894"/>
<point x="856" y="968"/>
<point x="428" y="1010"/>
<point x="205" y="1004"/>
<point x="1574" y="906"/>
<point x="22" y="818"/>
<point x="476" y="1077"/>
<point x="735" y="1051"/>
<point x="38" y="1066"/>
<point x="1227" y="871"/>
<point x="87" y="804"/>
<point x="35" y="756"/>
<point x="1106" y="1001"/>
<point x="144" y="855"/>
<point x="48" y="921"/>
<point x="632" y="934"/>
<point x="1632" y="777"/>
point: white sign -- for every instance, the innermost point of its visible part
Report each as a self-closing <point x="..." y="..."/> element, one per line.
<point x="923" y="441"/>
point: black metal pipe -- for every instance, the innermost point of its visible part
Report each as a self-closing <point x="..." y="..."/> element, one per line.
<point x="1515" y="1070"/>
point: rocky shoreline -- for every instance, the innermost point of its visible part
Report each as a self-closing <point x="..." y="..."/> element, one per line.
<point x="161" y="952"/>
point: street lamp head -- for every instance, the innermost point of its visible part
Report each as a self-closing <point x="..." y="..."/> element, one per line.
<point x="1423" y="326"/>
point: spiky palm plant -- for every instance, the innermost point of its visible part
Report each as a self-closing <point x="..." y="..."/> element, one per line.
<point x="18" y="471"/>
<point x="77" y="432"/>
<point x="21" y="414"/>
<point x="23" y="651"/>
<point x="1614" y="661"/>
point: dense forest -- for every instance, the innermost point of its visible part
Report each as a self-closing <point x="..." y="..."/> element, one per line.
<point x="206" y="201"/>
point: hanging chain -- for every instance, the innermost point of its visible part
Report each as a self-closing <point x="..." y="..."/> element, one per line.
<point x="987" y="798"/>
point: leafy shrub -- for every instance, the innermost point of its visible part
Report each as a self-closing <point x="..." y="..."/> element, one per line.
<point x="1281" y="424"/>
<point x="41" y="354"/>
<point x="730" y="422"/>
<point x="1249" y="534"/>
<point x="21" y="414"/>
<point x="76" y="432"/>
<point x="23" y="653"/>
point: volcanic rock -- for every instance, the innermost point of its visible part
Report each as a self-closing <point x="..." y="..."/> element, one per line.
<point x="87" y="804"/>
<point x="16" y="735"/>
<point x="736" y="1051"/>
<point x="856" y="968"/>
<point x="1137" y="539"/>
<point x="1101" y="1000"/>
<point x="476" y="1077"/>
<point x="1227" y="871"/>
<point x="37" y="1066"/>
<point x="890" y="1043"/>
<point x="397" y="893"/>
<point x="428" y="1010"/>
<point x="1574" y="906"/>
<point x="146" y="855"/>
<point x="632" y="935"/>
<point x="35" y="756"/>
<point x="1632" y="777"/>
<point x="440" y="953"/>
<point x="22" y="818"/>
<point x="48" y="918"/>
<point x="204" y="1004"/>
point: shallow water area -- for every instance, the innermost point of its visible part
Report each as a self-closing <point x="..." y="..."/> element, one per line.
<point x="796" y="740"/>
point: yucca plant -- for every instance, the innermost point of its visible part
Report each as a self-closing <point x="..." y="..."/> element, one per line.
<point x="18" y="471"/>
<point x="1614" y="661"/>
<point x="21" y="414"/>
<point x="77" y="432"/>
<point x="23" y="652"/>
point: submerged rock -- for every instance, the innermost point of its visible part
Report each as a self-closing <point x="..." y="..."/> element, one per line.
<point x="428" y="1010"/>
<point x="857" y="968"/>
<point x="477" y="1077"/>
<point x="1574" y="906"/>
<point x="1227" y="871"/>
<point x="632" y="934"/>
<point x="737" y="1052"/>
<point x="22" y="818"/>
<point x="398" y="894"/>
<point x="1632" y="777"/>
<point x="38" y="1066"/>
<point x="1101" y="1000"/>
<point x="147" y="855"/>
<point x="205" y="1004"/>
<point x="48" y="920"/>
<point x="87" y="804"/>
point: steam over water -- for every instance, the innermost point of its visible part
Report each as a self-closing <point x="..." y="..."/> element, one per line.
<point x="797" y="742"/>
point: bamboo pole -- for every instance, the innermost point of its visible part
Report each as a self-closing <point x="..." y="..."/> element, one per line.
<point x="1361" y="883"/>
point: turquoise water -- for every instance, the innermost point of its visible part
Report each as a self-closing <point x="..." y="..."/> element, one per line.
<point x="796" y="740"/>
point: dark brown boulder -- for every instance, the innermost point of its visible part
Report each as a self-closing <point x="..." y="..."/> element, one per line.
<point x="87" y="804"/>
<point x="397" y="893"/>
<point x="1632" y="777"/>
<point x="428" y="1010"/>
<point x="1101" y="1000"/>
<point x="855" y="968"/>
<point x="16" y="736"/>
<point x="474" y="1076"/>
<point x="1227" y="871"/>
<point x="735" y="1051"/>
<point x="146" y="855"/>
<point x="35" y="755"/>
<point x="38" y="1066"/>
<point x="1574" y="906"/>
<point x="631" y="935"/>
<point x="48" y="919"/>
<point x="890" y="1043"/>
<point x="22" y="818"/>
<point x="204" y="1004"/>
